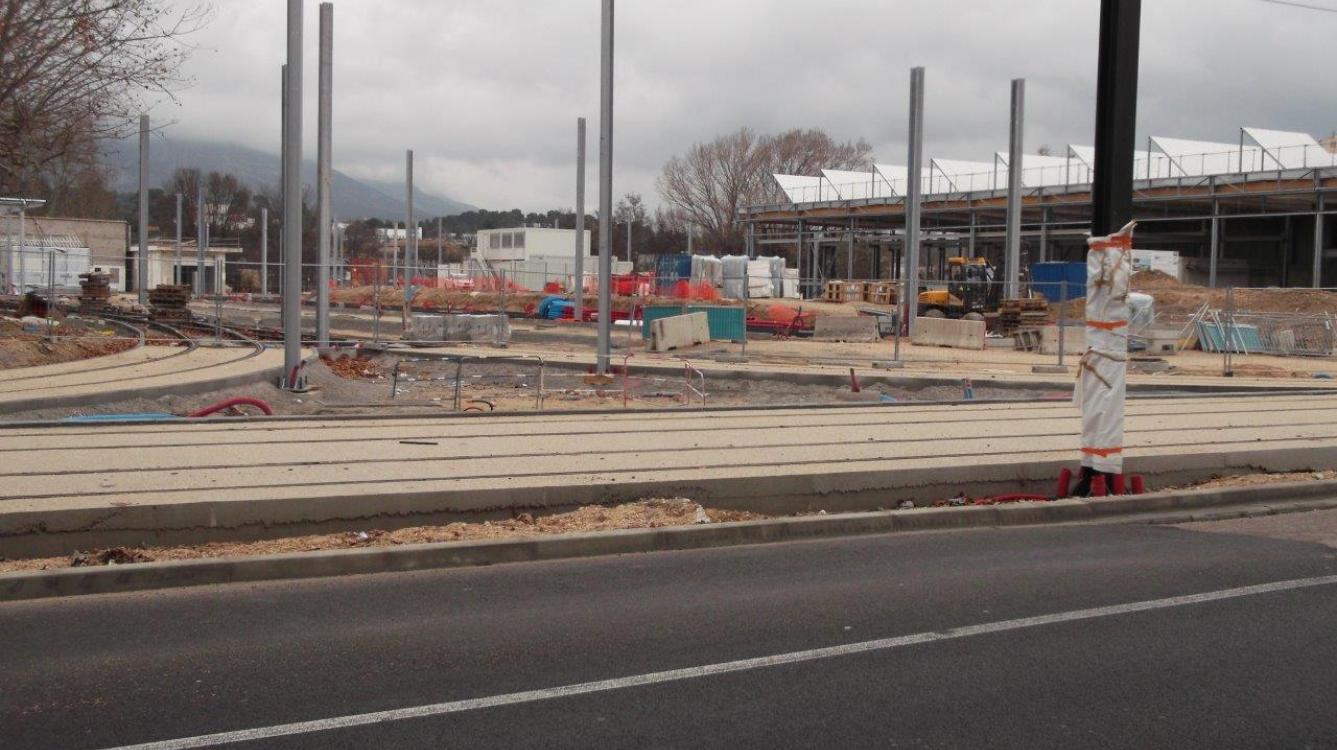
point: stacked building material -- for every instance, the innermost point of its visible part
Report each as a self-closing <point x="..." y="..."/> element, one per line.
<point x="1017" y="314"/>
<point x="94" y="292"/>
<point x="170" y="304"/>
<point x="880" y="293"/>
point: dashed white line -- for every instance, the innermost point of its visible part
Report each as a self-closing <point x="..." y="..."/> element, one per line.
<point x="742" y="665"/>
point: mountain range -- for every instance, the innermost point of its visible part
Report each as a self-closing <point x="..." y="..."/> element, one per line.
<point x="352" y="198"/>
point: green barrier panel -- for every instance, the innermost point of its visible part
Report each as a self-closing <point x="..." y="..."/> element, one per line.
<point x="726" y="323"/>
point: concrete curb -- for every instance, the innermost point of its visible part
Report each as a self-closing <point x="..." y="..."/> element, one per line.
<point x="1176" y="507"/>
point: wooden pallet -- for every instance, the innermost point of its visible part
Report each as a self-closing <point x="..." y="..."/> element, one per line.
<point x="880" y="293"/>
<point x="844" y="291"/>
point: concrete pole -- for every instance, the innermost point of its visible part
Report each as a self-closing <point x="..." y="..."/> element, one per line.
<point x="9" y="256"/>
<point x="580" y="220"/>
<point x="264" y="252"/>
<point x="292" y="207"/>
<point x="440" y="243"/>
<point x="176" y="267"/>
<point x="142" y="267"/>
<point x="1012" y="272"/>
<point x="913" y="198"/>
<point x="606" y="193"/>
<point x="201" y="240"/>
<point x="410" y="229"/>
<point x="1318" y="244"/>
<point x="324" y="143"/>
<point x="629" y="225"/>
<point x="23" y="244"/>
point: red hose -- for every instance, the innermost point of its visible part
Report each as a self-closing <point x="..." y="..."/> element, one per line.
<point x="241" y="401"/>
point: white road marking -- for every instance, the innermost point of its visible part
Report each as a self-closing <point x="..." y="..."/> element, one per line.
<point x="742" y="665"/>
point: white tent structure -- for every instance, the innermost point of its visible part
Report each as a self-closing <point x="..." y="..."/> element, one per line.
<point x="1203" y="158"/>
<point x="1042" y="171"/>
<point x="898" y="177"/>
<point x="801" y="189"/>
<point x="857" y="185"/>
<point x="1284" y="150"/>
<point x="953" y="176"/>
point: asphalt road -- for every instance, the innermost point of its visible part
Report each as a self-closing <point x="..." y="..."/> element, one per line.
<point x="1242" y="671"/>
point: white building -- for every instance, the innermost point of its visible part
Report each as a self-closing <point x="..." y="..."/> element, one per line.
<point x="532" y="257"/>
<point x="163" y="261"/>
<point x="30" y="267"/>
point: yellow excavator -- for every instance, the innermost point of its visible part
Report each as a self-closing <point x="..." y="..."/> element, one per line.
<point x="970" y="291"/>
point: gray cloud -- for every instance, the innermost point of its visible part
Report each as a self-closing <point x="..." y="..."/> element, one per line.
<point x="487" y="92"/>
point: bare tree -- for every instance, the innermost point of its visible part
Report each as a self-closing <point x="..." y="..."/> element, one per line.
<point x="76" y="72"/>
<point x="708" y="185"/>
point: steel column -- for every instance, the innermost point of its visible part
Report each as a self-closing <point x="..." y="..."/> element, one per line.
<point x="1214" y="251"/>
<point x="201" y="236"/>
<point x="913" y="198"/>
<point x="849" y="253"/>
<point x="142" y="267"/>
<point x="1016" y="147"/>
<point x="324" y="143"/>
<point x="292" y="207"/>
<point x="1318" y="244"/>
<point x="580" y="221"/>
<point x="606" y="192"/>
<point x="1116" y="115"/>
<point x="264" y="252"/>
<point x="176" y="266"/>
<point x="410" y="229"/>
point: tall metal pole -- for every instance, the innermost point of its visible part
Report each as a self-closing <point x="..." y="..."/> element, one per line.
<point x="324" y="121"/>
<point x="292" y="206"/>
<point x="629" y="225"/>
<point x="1012" y="273"/>
<point x="142" y="268"/>
<point x="1214" y="251"/>
<point x="264" y="251"/>
<point x="1116" y="115"/>
<point x="913" y="198"/>
<point x="440" y="242"/>
<point x="410" y="227"/>
<point x="283" y="169"/>
<point x="580" y="220"/>
<point x="201" y="227"/>
<point x="606" y="193"/>
<point x="1318" y="244"/>
<point x="176" y="267"/>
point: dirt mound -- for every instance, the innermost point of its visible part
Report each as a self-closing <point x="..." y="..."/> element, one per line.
<point x="1147" y="281"/>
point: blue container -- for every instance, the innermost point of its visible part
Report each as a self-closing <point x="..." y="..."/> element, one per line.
<point x="1047" y="279"/>
<point x="670" y="269"/>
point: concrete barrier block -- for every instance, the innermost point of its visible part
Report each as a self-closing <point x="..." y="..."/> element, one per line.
<point x="861" y="329"/>
<point x="955" y="334"/>
<point x="679" y="331"/>
<point x="476" y="329"/>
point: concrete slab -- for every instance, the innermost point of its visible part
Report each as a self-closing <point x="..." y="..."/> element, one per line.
<point x="89" y="485"/>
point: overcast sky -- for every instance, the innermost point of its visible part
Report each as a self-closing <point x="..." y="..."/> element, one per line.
<point x="487" y="91"/>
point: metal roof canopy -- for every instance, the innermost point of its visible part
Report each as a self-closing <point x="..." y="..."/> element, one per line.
<point x="1286" y="150"/>
<point x="1202" y="158"/>
<point x="858" y="185"/>
<point x="897" y="176"/>
<point x="1038" y="170"/>
<point x="951" y="175"/>
<point x="802" y="189"/>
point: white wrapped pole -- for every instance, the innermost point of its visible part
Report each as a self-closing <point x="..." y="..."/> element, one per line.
<point x="1102" y="381"/>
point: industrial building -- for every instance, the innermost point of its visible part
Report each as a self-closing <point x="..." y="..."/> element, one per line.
<point x="104" y="243"/>
<point x="1252" y="212"/>
<point x="533" y="256"/>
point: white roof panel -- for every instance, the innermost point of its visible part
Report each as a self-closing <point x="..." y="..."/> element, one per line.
<point x="955" y="176"/>
<point x="858" y="185"/>
<point x="1201" y="158"/>
<point x="801" y="189"/>
<point x="896" y="176"/>
<point x="1045" y="171"/>
<point x="1286" y="150"/>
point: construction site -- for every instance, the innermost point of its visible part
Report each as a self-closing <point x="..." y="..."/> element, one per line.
<point x="903" y="339"/>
